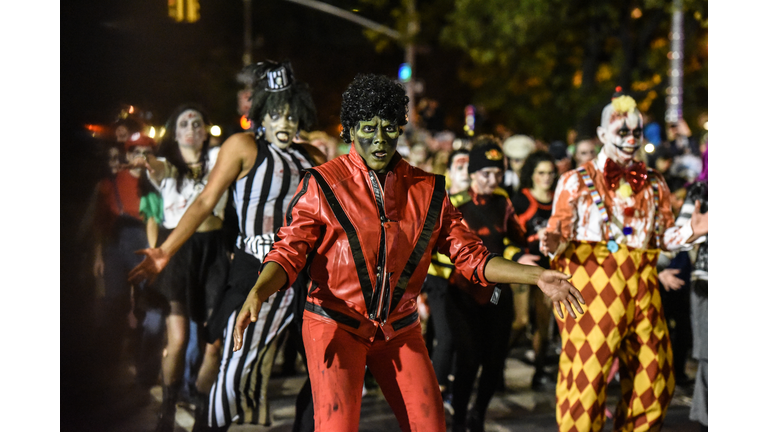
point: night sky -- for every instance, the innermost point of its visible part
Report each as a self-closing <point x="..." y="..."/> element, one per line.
<point x="119" y="53"/>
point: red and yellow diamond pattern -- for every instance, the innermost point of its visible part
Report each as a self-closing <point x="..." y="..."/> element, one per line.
<point x="623" y="317"/>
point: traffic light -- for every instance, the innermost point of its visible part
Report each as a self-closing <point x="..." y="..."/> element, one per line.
<point x="184" y="10"/>
<point x="469" y="120"/>
<point x="193" y="11"/>
<point x="404" y="73"/>
<point x="176" y="10"/>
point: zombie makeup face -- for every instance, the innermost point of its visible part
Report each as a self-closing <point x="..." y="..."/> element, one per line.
<point x="585" y="151"/>
<point x="376" y="141"/>
<point x="486" y="180"/>
<point x="114" y="160"/>
<point x="458" y="172"/>
<point x="138" y="152"/>
<point x="190" y="130"/>
<point x="244" y="101"/>
<point x="622" y="137"/>
<point x="516" y="164"/>
<point x="122" y="134"/>
<point x="280" y="127"/>
<point x="544" y="175"/>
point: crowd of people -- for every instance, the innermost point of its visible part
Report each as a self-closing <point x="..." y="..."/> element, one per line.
<point x="404" y="255"/>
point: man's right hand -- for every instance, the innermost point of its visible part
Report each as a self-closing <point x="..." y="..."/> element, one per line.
<point x="154" y="262"/>
<point x="669" y="280"/>
<point x="549" y="241"/>
<point x="248" y="313"/>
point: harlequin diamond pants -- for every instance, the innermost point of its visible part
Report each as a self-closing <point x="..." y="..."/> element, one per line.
<point x="623" y="317"/>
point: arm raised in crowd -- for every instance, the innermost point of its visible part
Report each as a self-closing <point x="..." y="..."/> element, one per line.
<point x="235" y="158"/>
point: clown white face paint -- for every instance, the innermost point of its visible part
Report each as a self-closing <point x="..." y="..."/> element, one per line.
<point x="190" y="130"/>
<point x="458" y="172"/>
<point x="280" y="127"/>
<point x="622" y="137"/>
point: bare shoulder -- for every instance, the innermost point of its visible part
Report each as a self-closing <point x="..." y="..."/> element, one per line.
<point x="240" y="148"/>
<point x="240" y="142"/>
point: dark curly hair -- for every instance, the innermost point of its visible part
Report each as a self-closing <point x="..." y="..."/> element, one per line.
<point x="369" y="96"/>
<point x="531" y="162"/>
<point x="263" y="102"/>
<point x="169" y="148"/>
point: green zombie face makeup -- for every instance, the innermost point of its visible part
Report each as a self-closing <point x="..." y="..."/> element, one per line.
<point x="376" y="141"/>
<point x="280" y="127"/>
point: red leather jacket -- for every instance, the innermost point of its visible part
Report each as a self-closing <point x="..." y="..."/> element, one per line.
<point x="368" y="245"/>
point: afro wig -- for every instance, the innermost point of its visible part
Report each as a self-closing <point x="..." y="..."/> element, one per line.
<point x="369" y="96"/>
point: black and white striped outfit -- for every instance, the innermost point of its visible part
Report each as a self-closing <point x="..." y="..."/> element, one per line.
<point x="261" y="198"/>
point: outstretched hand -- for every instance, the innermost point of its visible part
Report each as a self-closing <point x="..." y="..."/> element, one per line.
<point x="248" y="313"/>
<point x="549" y="241"/>
<point x="556" y="286"/>
<point x="699" y="221"/>
<point x="154" y="262"/>
<point x="669" y="280"/>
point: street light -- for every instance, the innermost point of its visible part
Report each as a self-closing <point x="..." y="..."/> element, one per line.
<point x="406" y="39"/>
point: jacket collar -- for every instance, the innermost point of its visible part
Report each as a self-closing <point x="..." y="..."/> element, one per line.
<point x="358" y="161"/>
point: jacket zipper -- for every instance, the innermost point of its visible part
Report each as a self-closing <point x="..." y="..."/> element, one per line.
<point x="381" y="292"/>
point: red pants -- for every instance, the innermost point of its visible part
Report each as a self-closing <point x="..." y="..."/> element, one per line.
<point x="401" y="366"/>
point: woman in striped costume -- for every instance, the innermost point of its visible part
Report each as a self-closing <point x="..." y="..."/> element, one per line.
<point x="263" y="168"/>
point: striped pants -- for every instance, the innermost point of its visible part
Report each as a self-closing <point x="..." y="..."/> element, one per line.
<point x="623" y="317"/>
<point x="239" y="394"/>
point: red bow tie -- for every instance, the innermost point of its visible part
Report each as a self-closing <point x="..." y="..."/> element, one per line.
<point x="635" y="174"/>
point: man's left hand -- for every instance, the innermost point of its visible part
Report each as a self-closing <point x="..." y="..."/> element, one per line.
<point x="556" y="286"/>
<point x="699" y="221"/>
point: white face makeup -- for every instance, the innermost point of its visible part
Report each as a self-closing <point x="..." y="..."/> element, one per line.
<point x="516" y="164"/>
<point x="485" y="181"/>
<point x="458" y="172"/>
<point x="622" y="137"/>
<point x="585" y="151"/>
<point x="114" y="160"/>
<point x="280" y="127"/>
<point x="190" y="130"/>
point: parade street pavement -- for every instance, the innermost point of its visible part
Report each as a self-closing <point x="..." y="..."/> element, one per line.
<point x="515" y="409"/>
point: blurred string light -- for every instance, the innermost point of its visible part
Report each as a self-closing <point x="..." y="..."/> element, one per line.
<point x="637" y="13"/>
<point x="405" y="72"/>
<point x="675" y="89"/>
<point x="161" y="133"/>
<point x="245" y="123"/>
<point x="706" y="125"/>
<point x="152" y="132"/>
<point x="469" y="120"/>
<point x="215" y="130"/>
<point x="649" y="148"/>
<point x="95" y="129"/>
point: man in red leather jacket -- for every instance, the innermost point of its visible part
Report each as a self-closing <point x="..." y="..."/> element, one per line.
<point x="365" y="224"/>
